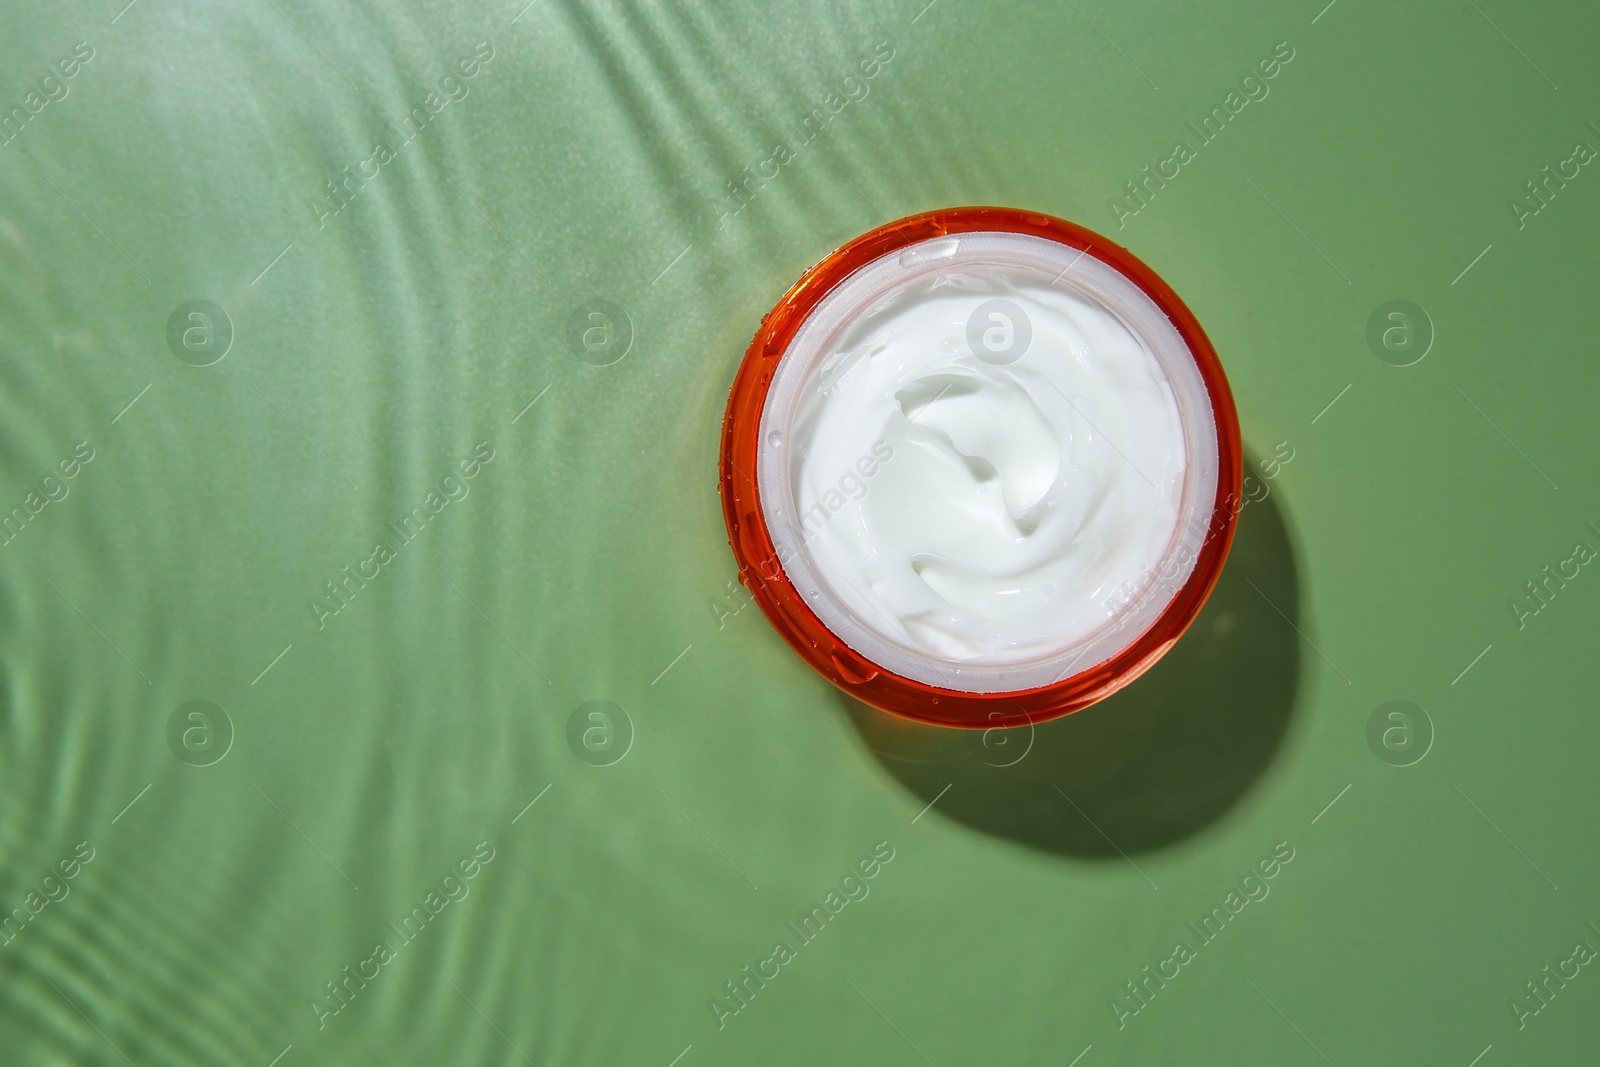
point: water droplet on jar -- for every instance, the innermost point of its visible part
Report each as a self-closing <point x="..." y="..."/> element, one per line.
<point x="853" y="669"/>
<point x="774" y="439"/>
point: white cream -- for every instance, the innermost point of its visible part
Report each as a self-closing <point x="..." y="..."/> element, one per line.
<point x="982" y="495"/>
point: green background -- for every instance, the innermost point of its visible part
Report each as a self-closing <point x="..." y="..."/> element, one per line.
<point x="588" y="161"/>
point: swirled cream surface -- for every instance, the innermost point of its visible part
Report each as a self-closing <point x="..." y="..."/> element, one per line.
<point x="977" y="464"/>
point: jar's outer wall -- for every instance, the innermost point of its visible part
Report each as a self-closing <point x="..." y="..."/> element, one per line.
<point x="763" y="574"/>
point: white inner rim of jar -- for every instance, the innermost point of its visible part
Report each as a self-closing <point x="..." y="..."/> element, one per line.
<point x="963" y="259"/>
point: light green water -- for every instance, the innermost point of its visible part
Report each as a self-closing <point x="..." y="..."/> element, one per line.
<point x="241" y="860"/>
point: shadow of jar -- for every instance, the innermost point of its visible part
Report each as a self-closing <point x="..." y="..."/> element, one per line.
<point x="1153" y="764"/>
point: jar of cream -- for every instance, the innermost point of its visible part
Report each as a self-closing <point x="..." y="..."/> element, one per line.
<point x="980" y="467"/>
